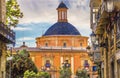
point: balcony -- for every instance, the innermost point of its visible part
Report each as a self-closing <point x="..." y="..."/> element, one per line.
<point x="101" y="19"/>
<point x="6" y="34"/>
<point x="118" y="36"/>
<point x="117" y="3"/>
<point x="118" y="40"/>
<point x="48" y="69"/>
<point x="101" y="12"/>
<point x="64" y="48"/>
<point x="95" y="3"/>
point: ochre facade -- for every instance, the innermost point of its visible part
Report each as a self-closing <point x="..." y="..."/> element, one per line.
<point x="61" y="44"/>
<point x="60" y="41"/>
<point x="57" y="55"/>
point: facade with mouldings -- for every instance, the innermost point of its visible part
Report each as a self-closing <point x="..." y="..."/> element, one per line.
<point x="61" y="43"/>
<point x="105" y="23"/>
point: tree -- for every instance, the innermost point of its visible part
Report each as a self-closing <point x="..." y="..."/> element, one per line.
<point x="19" y="64"/>
<point x="30" y="74"/>
<point x="81" y="73"/>
<point x="65" y="72"/>
<point x="13" y="13"/>
<point x="41" y="74"/>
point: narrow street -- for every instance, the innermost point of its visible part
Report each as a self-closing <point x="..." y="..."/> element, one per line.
<point x="59" y="38"/>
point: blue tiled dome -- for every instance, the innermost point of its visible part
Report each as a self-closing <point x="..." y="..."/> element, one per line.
<point x="62" y="28"/>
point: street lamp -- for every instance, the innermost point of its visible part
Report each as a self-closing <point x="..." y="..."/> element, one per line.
<point x="109" y="5"/>
<point x="66" y="64"/>
<point x="93" y="37"/>
<point x="90" y="53"/>
<point x="93" y="40"/>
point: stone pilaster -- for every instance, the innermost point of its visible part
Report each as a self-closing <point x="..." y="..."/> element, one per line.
<point x="2" y="11"/>
<point x="105" y="65"/>
<point x="3" y="60"/>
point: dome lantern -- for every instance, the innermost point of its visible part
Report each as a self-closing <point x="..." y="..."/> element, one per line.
<point x="62" y="12"/>
<point x="62" y="27"/>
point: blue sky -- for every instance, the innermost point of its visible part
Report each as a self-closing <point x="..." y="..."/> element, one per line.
<point x="39" y="15"/>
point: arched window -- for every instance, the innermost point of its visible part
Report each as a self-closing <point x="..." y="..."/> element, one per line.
<point x="66" y="63"/>
<point x="64" y="44"/>
<point x="59" y="14"/>
<point x="47" y="64"/>
<point x="46" y="44"/>
<point x="81" y="45"/>
<point x="86" y="64"/>
<point x="62" y="14"/>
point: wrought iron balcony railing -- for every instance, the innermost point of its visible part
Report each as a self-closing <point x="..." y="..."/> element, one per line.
<point x="118" y="40"/>
<point x="118" y="36"/>
<point x="112" y="44"/>
<point x="51" y="69"/>
<point x="6" y="34"/>
<point x="100" y="11"/>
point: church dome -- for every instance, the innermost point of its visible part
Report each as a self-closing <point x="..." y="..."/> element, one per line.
<point x="62" y="28"/>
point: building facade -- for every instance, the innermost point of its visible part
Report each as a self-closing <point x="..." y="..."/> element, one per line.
<point x="105" y="19"/>
<point x="61" y="43"/>
<point x="7" y="36"/>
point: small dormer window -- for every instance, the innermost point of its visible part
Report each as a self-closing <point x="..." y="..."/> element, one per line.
<point x="64" y="44"/>
<point x="81" y="45"/>
<point x="46" y="44"/>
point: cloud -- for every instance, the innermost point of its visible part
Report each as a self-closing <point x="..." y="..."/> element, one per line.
<point x="27" y="43"/>
<point x="21" y="28"/>
<point x="25" y="39"/>
<point x="45" y="10"/>
<point x="39" y="11"/>
<point x="39" y="15"/>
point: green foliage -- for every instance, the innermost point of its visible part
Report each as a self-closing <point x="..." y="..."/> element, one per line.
<point x="24" y="53"/>
<point x="82" y="73"/>
<point x="19" y="64"/>
<point x="13" y="13"/>
<point x="43" y="74"/>
<point x="65" y="72"/>
<point x="31" y="74"/>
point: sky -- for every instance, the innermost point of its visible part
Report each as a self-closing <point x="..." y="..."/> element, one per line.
<point x="39" y="15"/>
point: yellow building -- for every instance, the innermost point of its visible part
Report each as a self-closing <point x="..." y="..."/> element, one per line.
<point x="61" y="43"/>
